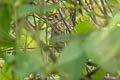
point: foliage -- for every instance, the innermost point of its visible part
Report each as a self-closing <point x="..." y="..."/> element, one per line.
<point x="59" y="39"/>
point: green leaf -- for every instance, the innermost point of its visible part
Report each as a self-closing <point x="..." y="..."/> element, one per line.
<point x="27" y="63"/>
<point x="5" y="72"/>
<point x="6" y="40"/>
<point x="84" y="27"/>
<point x="103" y="46"/>
<point x="63" y="38"/>
<point x="4" y="18"/>
<point x="114" y="1"/>
<point x="2" y="55"/>
<point x="114" y="21"/>
<point x="99" y="75"/>
<point x="48" y="8"/>
<point x="72" y="61"/>
<point x="104" y="49"/>
<point x="24" y="1"/>
<point x="29" y="9"/>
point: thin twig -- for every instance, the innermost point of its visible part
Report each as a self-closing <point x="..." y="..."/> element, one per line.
<point x="46" y="20"/>
<point x="99" y="6"/>
<point x="104" y="8"/>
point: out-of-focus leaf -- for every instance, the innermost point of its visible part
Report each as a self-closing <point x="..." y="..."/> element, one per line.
<point x="104" y="50"/>
<point x="99" y="75"/>
<point x="29" y="9"/>
<point x="2" y="55"/>
<point x="63" y="38"/>
<point x="24" y="1"/>
<point x="104" y="47"/>
<point x="19" y="2"/>
<point x="48" y="8"/>
<point x="114" y="21"/>
<point x="72" y="61"/>
<point x="6" y="40"/>
<point x="5" y="72"/>
<point x="114" y="1"/>
<point x="27" y="63"/>
<point x="4" y="18"/>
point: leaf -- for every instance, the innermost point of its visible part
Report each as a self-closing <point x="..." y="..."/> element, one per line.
<point x="48" y="8"/>
<point x="2" y="55"/>
<point x="4" y="18"/>
<point x="24" y="1"/>
<point x="72" y="61"/>
<point x="63" y="38"/>
<point x="104" y="49"/>
<point x="29" y="9"/>
<point x="6" y="40"/>
<point x="84" y="27"/>
<point x="99" y="75"/>
<point x="114" y="1"/>
<point x="27" y="63"/>
<point x="114" y="21"/>
<point x="5" y="72"/>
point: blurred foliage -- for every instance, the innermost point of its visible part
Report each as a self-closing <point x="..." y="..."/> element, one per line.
<point x="59" y="39"/>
